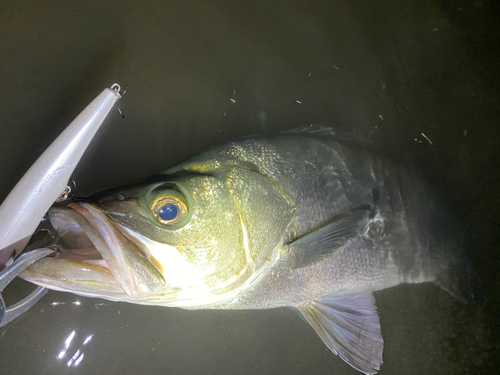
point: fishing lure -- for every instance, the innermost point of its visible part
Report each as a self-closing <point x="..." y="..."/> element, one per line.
<point x="23" y="209"/>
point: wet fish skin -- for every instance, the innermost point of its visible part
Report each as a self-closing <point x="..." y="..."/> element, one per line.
<point x="302" y="219"/>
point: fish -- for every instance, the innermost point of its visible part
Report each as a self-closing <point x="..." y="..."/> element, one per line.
<point x="309" y="219"/>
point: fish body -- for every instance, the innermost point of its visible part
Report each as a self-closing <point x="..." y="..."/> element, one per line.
<point x="305" y="219"/>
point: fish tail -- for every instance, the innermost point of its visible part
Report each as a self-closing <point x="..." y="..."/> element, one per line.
<point x="462" y="282"/>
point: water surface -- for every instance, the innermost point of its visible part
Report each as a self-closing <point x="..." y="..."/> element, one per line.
<point x="419" y="79"/>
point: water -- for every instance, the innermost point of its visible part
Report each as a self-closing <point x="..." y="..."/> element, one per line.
<point x="418" y="78"/>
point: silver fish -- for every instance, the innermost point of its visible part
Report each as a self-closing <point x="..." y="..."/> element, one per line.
<point x="304" y="219"/>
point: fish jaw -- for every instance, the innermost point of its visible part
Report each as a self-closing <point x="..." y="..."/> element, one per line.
<point x="87" y="278"/>
<point x="124" y="271"/>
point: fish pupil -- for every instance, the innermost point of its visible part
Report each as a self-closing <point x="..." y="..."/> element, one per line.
<point x="168" y="212"/>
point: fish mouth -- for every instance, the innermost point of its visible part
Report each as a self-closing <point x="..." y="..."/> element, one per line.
<point x="100" y="261"/>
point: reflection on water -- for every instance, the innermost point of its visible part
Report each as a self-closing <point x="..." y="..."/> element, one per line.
<point x="67" y="343"/>
<point x="56" y="303"/>
<point x="78" y="354"/>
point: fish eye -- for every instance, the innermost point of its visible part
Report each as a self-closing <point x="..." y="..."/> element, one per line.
<point x="168" y="212"/>
<point x="121" y="197"/>
<point x="168" y="209"/>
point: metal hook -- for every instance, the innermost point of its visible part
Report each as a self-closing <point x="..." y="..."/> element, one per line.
<point x="68" y="191"/>
<point x="120" y="112"/>
<point x="7" y="314"/>
<point x="116" y="87"/>
<point x="64" y="195"/>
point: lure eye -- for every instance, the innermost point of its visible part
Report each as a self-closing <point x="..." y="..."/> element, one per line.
<point x="168" y="209"/>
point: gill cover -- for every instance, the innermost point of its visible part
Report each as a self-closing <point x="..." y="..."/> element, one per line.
<point x="207" y="232"/>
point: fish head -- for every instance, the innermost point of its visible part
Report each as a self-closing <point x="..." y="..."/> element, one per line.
<point x="185" y="240"/>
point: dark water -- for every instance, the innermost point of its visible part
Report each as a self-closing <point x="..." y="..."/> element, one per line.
<point x="393" y="70"/>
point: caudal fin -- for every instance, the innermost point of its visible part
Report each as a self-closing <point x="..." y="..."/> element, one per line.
<point x="462" y="282"/>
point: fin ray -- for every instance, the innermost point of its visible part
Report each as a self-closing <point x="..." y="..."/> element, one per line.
<point x="462" y="282"/>
<point x="316" y="245"/>
<point x="349" y="326"/>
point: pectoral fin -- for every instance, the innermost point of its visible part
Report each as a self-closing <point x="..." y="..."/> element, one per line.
<point x="349" y="325"/>
<point x="322" y="242"/>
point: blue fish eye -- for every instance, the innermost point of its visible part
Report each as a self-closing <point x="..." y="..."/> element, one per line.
<point x="168" y="209"/>
<point x="168" y="212"/>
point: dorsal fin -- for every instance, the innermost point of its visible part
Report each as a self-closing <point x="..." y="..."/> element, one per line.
<point x="311" y="129"/>
<point x="353" y="137"/>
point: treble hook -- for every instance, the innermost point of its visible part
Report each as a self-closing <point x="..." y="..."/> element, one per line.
<point x="116" y="87"/>
<point x="9" y="273"/>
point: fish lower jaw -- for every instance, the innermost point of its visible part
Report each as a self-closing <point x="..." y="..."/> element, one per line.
<point x="70" y="275"/>
<point x="93" y="278"/>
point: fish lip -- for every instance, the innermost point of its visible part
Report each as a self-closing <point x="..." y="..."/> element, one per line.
<point x="73" y="214"/>
<point x="128" y="261"/>
<point x="118" y="254"/>
<point x="95" y="220"/>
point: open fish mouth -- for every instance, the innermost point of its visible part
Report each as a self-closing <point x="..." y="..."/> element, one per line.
<point x="101" y="260"/>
